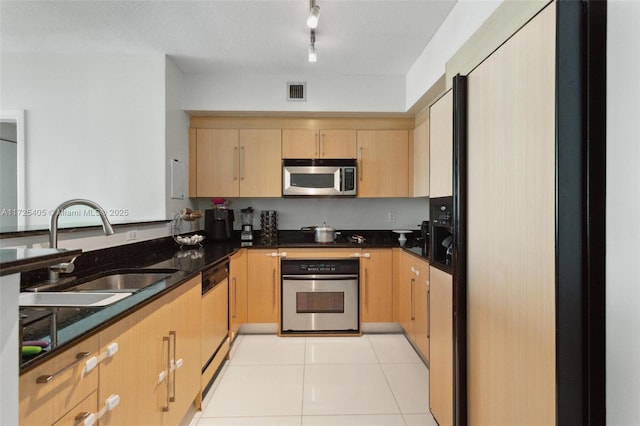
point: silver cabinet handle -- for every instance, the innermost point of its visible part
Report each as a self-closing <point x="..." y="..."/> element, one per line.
<point x="242" y="158"/>
<point x="168" y="340"/>
<point x="323" y="144"/>
<point x="413" y="284"/>
<point x="317" y="144"/>
<point x="235" y="297"/>
<point x="235" y="163"/>
<point x="49" y="377"/>
<point x="274" y="287"/>
<point x="173" y="363"/>
<point x="366" y="288"/>
<point x="361" y="168"/>
<point x="428" y="313"/>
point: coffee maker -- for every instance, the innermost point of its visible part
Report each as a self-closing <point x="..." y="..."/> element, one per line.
<point x="218" y="224"/>
<point x="246" y="217"/>
<point x="424" y="237"/>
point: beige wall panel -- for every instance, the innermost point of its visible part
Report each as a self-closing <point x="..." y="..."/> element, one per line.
<point x="511" y="285"/>
<point x="441" y="147"/>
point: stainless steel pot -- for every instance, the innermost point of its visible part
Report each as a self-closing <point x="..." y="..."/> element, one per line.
<point x="324" y="234"/>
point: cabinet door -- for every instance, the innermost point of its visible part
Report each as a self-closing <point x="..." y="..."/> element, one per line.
<point x="185" y="318"/>
<point x="421" y="318"/>
<point x="406" y="286"/>
<point x="263" y="282"/>
<point x="132" y="373"/>
<point x="217" y="164"/>
<point x="45" y="403"/>
<point x="376" y="286"/>
<point x="260" y="163"/>
<point x="441" y="346"/>
<point x="237" y="292"/>
<point x="441" y="147"/>
<point x="421" y="160"/>
<point x="300" y="143"/>
<point x="383" y="163"/>
<point x="337" y="144"/>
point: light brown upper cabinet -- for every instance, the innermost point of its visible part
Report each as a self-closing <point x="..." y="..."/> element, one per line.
<point x="383" y="163"/>
<point x="420" y="150"/>
<point x="308" y="143"/>
<point x="236" y="163"/>
<point x="441" y="147"/>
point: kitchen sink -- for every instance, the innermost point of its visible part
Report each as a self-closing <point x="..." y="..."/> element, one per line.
<point x="70" y="299"/>
<point x="123" y="280"/>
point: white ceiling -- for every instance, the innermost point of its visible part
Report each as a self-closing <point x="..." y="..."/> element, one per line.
<point x="370" y="37"/>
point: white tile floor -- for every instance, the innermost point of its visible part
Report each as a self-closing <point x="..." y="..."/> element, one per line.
<point x="375" y="379"/>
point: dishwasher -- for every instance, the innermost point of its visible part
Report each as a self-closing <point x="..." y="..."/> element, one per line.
<point x="215" y="315"/>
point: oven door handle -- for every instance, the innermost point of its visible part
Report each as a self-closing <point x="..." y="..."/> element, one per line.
<point x="319" y="277"/>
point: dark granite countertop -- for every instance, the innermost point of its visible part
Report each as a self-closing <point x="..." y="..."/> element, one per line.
<point x="75" y="323"/>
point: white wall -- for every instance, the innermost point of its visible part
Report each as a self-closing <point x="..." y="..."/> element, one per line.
<point x="176" y="137"/>
<point x="463" y="20"/>
<point x="623" y="213"/>
<point x="94" y="129"/>
<point x="347" y="213"/>
<point x="267" y="92"/>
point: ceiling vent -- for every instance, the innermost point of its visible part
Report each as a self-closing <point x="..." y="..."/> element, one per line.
<point x="297" y="91"/>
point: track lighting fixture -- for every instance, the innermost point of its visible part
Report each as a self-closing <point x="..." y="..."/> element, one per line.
<point x="314" y="15"/>
<point x="313" y="53"/>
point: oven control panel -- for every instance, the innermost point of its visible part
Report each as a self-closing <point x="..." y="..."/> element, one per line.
<point x="319" y="266"/>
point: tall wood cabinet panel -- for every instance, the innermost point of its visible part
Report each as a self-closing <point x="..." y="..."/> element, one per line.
<point x="376" y="286"/>
<point x="441" y="346"/>
<point x="511" y="282"/>
<point x="441" y="147"/>
<point x="263" y="286"/>
<point x="420" y="169"/>
<point x="383" y="163"/>
<point x="237" y="292"/>
<point x="309" y="143"/>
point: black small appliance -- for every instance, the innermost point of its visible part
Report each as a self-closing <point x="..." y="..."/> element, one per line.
<point x="441" y="238"/>
<point x="424" y="237"/>
<point x="218" y="224"/>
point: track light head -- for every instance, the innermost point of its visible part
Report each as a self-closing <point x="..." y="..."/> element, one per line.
<point x="314" y="15"/>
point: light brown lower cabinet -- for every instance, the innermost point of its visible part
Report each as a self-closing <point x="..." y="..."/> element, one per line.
<point x="441" y="349"/>
<point x="237" y="292"/>
<point x="376" y="286"/>
<point x="412" y="281"/>
<point x="149" y="362"/>
<point x="263" y="285"/>
<point x="156" y="371"/>
<point x="53" y="389"/>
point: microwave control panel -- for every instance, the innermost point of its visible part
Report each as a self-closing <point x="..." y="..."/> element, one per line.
<point x="349" y="179"/>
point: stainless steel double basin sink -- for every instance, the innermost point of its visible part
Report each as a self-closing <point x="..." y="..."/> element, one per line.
<point x="100" y="290"/>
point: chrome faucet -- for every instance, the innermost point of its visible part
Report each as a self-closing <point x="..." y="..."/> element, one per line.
<point x="55" y="270"/>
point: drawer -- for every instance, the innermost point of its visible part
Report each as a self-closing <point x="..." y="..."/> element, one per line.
<point x="45" y="403"/>
<point x="73" y="417"/>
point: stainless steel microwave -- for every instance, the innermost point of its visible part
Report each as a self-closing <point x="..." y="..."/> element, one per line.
<point x="321" y="177"/>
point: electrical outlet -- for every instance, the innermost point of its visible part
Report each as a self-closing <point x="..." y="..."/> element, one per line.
<point x="391" y="217"/>
<point x="132" y="235"/>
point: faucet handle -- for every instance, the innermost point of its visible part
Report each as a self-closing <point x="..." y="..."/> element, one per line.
<point x="65" y="267"/>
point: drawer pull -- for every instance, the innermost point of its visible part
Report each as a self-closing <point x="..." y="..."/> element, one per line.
<point x="48" y="378"/>
<point x="89" y="419"/>
<point x="93" y="362"/>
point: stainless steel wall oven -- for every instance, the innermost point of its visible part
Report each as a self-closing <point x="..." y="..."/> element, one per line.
<point x="320" y="296"/>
